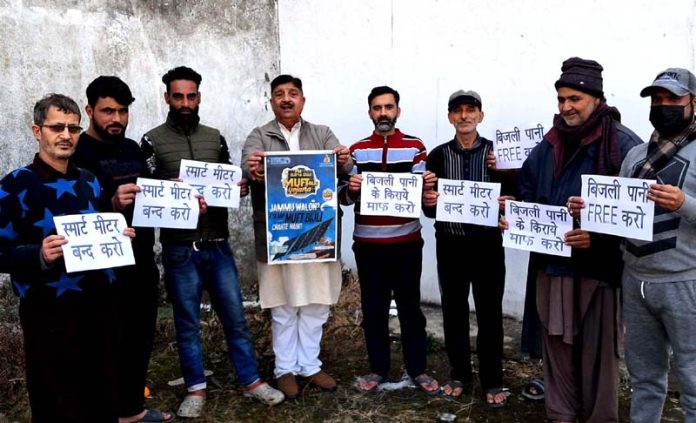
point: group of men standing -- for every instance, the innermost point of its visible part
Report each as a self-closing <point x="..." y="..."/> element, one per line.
<point x="88" y="335"/>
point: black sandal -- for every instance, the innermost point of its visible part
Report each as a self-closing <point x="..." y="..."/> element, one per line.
<point x="495" y="392"/>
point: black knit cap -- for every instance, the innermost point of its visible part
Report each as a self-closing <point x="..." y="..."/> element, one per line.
<point x="582" y="75"/>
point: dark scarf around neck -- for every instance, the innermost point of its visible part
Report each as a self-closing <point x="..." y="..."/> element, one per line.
<point x="599" y="128"/>
<point x="661" y="150"/>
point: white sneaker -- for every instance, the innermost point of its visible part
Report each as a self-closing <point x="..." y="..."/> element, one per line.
<point x="191" y="406"/>
<point x="264" y="393"/>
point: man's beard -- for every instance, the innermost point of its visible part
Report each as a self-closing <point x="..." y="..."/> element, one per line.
<point x="184" y="119"/>
<point x="106" y="136"/>
<point x="384" y="124"/>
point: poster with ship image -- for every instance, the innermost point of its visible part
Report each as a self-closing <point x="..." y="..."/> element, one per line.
<point x="301" y="206"/>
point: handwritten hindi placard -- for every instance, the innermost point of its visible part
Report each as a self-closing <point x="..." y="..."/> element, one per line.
<point x="512" y="146"/>
<point x="617" y="206"/>
<point x="95" y="241"/>
<point x="165" y="204"/>
<point x="391" y="194"/>
<point x="301" y="206"/>
<point x="537" y="227"/>
<point x="217" y="182"/>
<point x="467" y="202"/>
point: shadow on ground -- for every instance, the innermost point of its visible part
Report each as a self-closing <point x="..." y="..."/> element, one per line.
<point x="343" y="354"/>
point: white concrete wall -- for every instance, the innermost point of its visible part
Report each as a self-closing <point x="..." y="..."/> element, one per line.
<point x="508" y="51"/>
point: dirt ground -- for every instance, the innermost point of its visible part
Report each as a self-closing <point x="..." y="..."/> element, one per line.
<point x="343" y="354"/>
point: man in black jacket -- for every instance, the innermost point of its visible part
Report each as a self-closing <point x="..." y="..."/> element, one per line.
<point x="117" y="162"/>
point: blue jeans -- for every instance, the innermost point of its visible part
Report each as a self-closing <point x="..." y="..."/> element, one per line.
<point x="187" y="273"/>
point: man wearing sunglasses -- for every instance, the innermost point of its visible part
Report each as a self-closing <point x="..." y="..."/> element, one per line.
<point x="67" y="318"/>
<point x="117" y="162"/>
<point x="201" y="257"/>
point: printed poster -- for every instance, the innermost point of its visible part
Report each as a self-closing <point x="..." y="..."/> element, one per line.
<point x="301" y="206"/>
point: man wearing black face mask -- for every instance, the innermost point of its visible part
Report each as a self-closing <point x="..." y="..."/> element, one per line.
<point x="659" y="280"/>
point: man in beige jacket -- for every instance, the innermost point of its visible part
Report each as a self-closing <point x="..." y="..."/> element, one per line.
<point x="298" y="295"/>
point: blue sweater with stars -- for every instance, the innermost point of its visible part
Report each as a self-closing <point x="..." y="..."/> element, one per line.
<point x="29" y="198"/>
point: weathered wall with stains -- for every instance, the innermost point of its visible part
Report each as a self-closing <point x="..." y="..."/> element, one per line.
<point x="60" y="46"/>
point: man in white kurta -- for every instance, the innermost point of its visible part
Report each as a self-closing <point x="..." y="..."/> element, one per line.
<point x="299" y="295"/>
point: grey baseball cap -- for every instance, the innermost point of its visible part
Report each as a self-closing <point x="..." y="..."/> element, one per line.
<point x="463" y="97"/>
<point x="678" y="81"/>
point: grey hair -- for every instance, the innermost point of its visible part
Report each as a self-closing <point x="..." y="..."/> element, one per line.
<point x="61" y="102"/>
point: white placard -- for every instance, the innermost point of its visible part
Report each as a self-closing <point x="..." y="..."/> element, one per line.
<point x="95" y="241"/>
<point x="537" y="227"/>
<point x="467" y="202"/>
<point x="165" y="204"/>
<point x="617" y="206"/>
<point x="391" y="194"/>
<point x="512" y="146"/>
<point x="217" y="182"/>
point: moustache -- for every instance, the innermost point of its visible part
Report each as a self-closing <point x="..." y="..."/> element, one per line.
<point x="115" y="125"/>
<point x="287" y="105"/>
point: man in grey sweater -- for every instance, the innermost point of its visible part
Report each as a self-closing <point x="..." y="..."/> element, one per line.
<point x="659" y="279"/>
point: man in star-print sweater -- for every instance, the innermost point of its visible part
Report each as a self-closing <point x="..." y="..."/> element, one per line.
<point x="66" y="318"/>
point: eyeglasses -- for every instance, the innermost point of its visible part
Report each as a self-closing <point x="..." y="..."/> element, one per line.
<point x="58" y="128"/>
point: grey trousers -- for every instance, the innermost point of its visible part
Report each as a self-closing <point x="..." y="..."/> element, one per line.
<point x="657" y="316"/>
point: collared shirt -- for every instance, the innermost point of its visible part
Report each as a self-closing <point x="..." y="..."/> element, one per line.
<point x="292" y="136"/>
<point x="47" y="172"/>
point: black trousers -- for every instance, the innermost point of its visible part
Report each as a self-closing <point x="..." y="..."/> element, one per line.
<point x="532" y="330"/>
<point x="479" y="261"/>
<point x="68" y="343"/>
<point x="383" y="269"/>
<point x="137" y="297"/>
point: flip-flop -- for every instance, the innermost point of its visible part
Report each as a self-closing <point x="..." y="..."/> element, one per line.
<point x="534" y="390"/>
<point x="370" y="377"/>
<point x="156" y="416"/>
<point x="495" y="405"/>
<point x="423" y="380"/>
<point x="454" y="384"/>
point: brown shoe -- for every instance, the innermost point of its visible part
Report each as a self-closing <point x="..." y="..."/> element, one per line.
<point x="288" y="385"/>
<point x="323" y="381"/>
